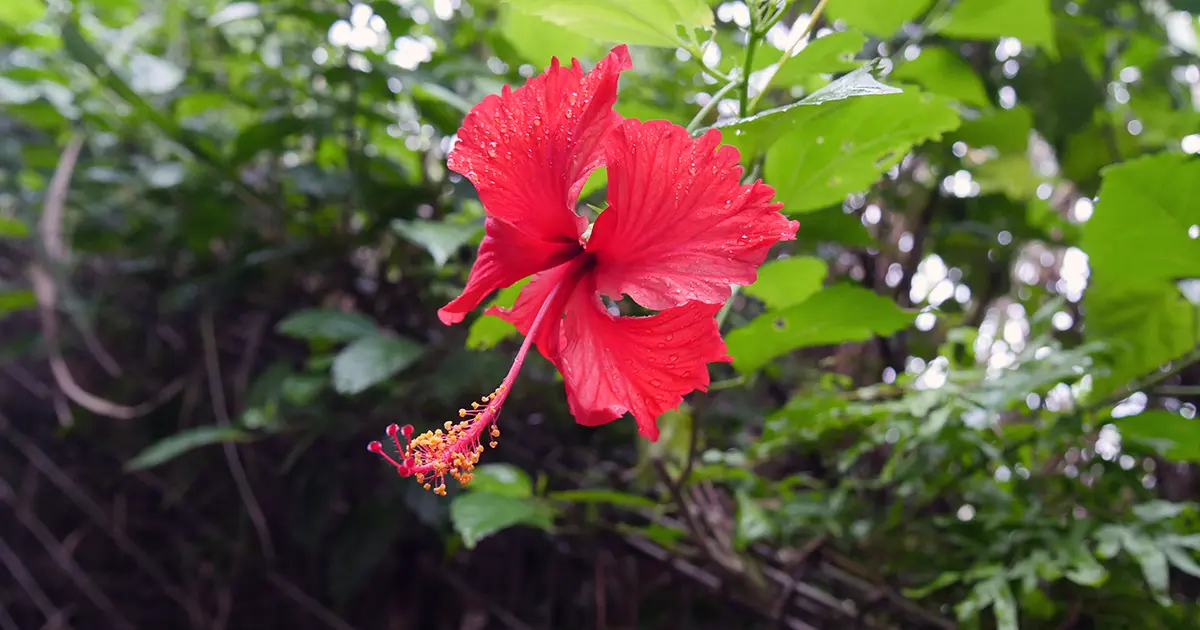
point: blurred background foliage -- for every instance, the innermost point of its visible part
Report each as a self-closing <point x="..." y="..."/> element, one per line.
<point x="965" y="397"/>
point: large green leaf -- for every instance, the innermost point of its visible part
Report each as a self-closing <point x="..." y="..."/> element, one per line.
<point x="755" y="134"/>
<point x="20" y="13"/>
<point x="371" y="360"/>
<point x="878" y="17"/>
<point x="537" y="40"/>
<point x="502" y="479"/>
<point x="842" y="149"/>
<point x="942" y="71"/>
<point x="783" y="283"/>
<point x="1174" y="436"/>
<point x="1028" y="20"/>
<point x="173" y="446"/>
<point x="833" y="53"/>
<point x="645" y="22"/>
<point x="1138" y="249"/>
<point x="1005" y="129"/>
<point x="837" y="314"/>
<point x="326" y="324"/>
<point x="477" y="515"/>
<point x="440" y="238"/>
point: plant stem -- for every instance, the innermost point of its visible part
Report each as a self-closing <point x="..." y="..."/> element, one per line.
<point x="816" y="15"/>
<point x="708" y="107"/>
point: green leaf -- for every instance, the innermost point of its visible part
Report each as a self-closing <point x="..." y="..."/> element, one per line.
<point x="1138" y="249"/>
<point x="610" y="497"/>
<point x="944" y="72"/>
<point x="327" y="325"/>
<point x="537" y="40"/>
<point x="440" y="238"/>
<point x="503" y="479"/>
<point x="371" y="360"/>
<point x="477" y="515"/>
<point x="1182" y="560"/>
<point x="171" y="447"/>
<point x="754" y="134"/>
<point x="265" y="136"/>
<point x="644" y="22"/>
<point x="790" y="281"/>
<point x="1177" y="438"/>
<point x="843" y="149"/>
<point x="878" y="17"/>
<point x="21" y="13"/>
<point x="1005" y="129"/>
<point x="489" y="330"/>
<point x="1152" y="560"/>
<point x="834" y="315"/>
<point x="16" y="300"/>
<point x="833" y="53"/>
<point x="13" y="228"/>
<point x="753" y="523"/>
<point x="1028" y="20"/>
<point x="836" y="226"/>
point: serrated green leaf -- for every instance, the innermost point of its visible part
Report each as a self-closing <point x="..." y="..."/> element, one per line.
<point x="644" y="22"/>
<point x="173" y="446"/>
<point x="790" y="281"/>
<point x="537" y="40"/>
<point x="1027" y="20"/>
<point x="843" y="149"/>
<point x="1177" y="438"/>
<point x="440" y="238"/>
<point x="489" y="330"/>
<point x="833" y="53"/>
<point x="326" y="324"/>
<point x="1138" y="249"/>
<point x="503" y="479"/>
<point x="878" y="17"/>
<point x="370" y="361"/>
<point x="836" y="314"/>
<point x="477" y="515"/>
<point x="755" y="134"/>
<point x="945" y="73"/>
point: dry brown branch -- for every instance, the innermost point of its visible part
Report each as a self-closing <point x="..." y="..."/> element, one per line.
<point x="217" y="393"/>
<point x="46" y="292"/>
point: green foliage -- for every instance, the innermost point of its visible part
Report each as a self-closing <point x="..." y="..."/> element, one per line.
<point x="878" y="17"/>
<point x="974" y="373"/>
<point x="838" y="314"/>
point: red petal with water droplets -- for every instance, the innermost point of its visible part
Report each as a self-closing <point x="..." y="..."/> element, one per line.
<point x="533" y="295"/>
<point x="529" y="151"/>
<point x="506" y="255"/>
<point x="680" y="225"/>
<point x="639" y="365"/>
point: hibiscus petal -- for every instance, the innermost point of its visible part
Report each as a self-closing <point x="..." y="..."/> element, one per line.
<point x="506" y="255"/>
<point x="529" y="151"/>
<point x="530" y="300"/>
<point x="640" y="365"/>
<point x="680" y="226"/>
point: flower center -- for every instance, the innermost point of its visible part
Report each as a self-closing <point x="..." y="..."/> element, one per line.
<point x="455" y="448"/>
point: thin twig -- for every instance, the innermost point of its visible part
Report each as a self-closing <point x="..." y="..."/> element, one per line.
<point x="62" y="557"/>
<point x="314" y="607"/>
<point x="25" y="579"/>
<point x="217" y="393"/>
<point x="46" y="292"/>
<point x="816" y="15"/>
<point x="42" y="462"/>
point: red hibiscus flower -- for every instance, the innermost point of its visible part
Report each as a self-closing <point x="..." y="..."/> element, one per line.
<point x="680" y="228"/>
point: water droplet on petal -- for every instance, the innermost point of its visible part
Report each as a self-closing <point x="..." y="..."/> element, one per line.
<point x="670" y="337"/>
<point x="655" y="382"/>
<point x="572" y="98"/>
